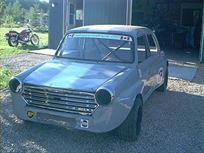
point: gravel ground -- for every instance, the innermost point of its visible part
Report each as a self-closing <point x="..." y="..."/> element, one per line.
<point x="173" y="122"/>
<point x="22" y="62"/>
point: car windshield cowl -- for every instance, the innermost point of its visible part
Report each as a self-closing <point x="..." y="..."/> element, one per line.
<point x="99" y="47"/>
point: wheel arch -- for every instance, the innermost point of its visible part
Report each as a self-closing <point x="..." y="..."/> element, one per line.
<point x="139" y="95"/>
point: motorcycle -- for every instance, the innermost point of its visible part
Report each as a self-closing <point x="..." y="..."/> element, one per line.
<point x="24" y="37"/>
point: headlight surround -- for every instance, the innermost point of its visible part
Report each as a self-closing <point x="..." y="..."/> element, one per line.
<point x="103" y="96"/>
<point x="15" y="85"/>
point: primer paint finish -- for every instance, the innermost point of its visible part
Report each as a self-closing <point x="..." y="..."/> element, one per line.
<point x="125" y="81"/>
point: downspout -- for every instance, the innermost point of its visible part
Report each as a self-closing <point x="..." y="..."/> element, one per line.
<point x="130" y="16"/>
<point x="83" y="12"/>
<point x="129" y="12"/>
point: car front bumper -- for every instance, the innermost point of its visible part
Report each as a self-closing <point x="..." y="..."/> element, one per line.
<point x="104" y="118"/>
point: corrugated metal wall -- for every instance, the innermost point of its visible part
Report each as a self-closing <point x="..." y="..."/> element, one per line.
<point x="202" y="40"/>
<point x="95" y="12"/>
<point x="55" y="23"/>
<point x="105" y="12"/>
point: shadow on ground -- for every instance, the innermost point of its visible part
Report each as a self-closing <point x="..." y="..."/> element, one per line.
<point x="183" y="55"/>
<point x="29" y="47"/>
<point x="172" y="122"/>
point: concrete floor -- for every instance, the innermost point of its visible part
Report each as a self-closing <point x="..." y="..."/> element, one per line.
<point x="183" y="64"/>
<point x="50" y="52"/>
<point x="182" y="55"/>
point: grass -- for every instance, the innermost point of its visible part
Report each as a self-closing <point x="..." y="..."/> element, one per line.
<point x="5" y="76"/>
<point x="6" y="50"/>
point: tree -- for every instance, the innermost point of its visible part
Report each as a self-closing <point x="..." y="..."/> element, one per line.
<point x="9" y="20"/>
<point x="30" y="14"/>
<point x="34" y="15"/>
<point x="22" y="11"/>
<point x="17" y="11"/>
<point x="2" y="9"/>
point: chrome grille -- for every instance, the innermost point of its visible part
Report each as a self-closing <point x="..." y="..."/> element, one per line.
<point x="62" y="100"/>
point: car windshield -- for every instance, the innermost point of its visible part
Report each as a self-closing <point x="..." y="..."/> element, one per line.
<point x="97" y="47"/>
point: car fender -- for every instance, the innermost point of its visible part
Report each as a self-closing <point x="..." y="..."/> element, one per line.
<point x="21" y="76"/>
<point x="125" y="90"/>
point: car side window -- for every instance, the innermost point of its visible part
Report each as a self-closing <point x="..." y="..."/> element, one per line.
<point x="152" y="44"/>
<point x="142" y="50"/>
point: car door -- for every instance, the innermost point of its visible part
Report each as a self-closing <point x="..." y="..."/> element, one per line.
<point x="143" y="64"/>
<point x="155" y="61"/>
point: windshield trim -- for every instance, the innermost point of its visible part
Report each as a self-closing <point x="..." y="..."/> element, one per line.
<point x="90" y="60"/>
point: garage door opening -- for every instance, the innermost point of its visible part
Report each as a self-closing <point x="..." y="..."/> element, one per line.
<point x="74" y="14"/>
<point x="177" y="24"/>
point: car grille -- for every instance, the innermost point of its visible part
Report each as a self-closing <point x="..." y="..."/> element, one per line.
<point x="75" y="102"/>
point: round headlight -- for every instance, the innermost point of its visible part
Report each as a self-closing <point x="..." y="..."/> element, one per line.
<point x="103" y="97"/>
<point x="15" y="85"/>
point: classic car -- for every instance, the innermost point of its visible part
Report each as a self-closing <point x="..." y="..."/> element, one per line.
<point x="98" y="81"/>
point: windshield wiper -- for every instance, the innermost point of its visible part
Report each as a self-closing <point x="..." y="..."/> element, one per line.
<point x="112" y="51"/>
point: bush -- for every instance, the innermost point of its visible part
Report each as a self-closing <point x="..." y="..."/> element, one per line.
<point x="41" y="28"/>
<point x="5" y="76"/>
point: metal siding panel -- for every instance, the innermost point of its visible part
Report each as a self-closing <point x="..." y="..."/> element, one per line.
<point x="55" y="23"/>
<point x="105" y="12"/>
<point x="202" y="39"/>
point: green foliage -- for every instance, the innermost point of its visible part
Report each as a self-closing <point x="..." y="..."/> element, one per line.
<point x="30" y="15"/>
<point x="9" y="21"/>
<point x="5" y="76"/>
<point x="2" y="9"/>
<point x="13" y="12"/>
<point x="20" y="12"/>
<point x="41" y="28"/>
<point x="17" y="11"/>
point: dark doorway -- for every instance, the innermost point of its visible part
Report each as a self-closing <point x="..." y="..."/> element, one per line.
<point x="177" y="23"/>
<point x="74" y="14"/>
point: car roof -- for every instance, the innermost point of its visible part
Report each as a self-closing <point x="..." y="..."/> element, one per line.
<point x="115" y="29"/>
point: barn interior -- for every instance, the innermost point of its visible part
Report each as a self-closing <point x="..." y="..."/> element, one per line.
<point x="177" y="24"/>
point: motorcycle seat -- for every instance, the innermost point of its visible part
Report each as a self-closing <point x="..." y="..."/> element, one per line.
<point x="13" y="32"/>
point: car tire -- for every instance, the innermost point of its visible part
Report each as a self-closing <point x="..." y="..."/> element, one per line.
<point x="130" y="129"/>
<point x="163" y="87"/>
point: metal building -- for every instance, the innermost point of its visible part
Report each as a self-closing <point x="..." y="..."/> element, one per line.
<point x="67" y="14"/>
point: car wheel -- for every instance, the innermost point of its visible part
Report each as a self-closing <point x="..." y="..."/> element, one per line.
<point x="131" y="127"/>
<point x="13" y="41"/>
<point x="163" y="87"/>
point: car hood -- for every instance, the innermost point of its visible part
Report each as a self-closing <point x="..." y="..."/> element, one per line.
<point x="73" y="75"/>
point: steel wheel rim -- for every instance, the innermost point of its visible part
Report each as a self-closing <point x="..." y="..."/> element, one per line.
<point x="35" y="40"/>
<point x="13" y="41"/>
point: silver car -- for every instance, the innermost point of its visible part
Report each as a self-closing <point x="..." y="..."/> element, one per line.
<point x="98" y="81"/>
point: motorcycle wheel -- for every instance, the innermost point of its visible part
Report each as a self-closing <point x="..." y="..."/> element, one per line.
<point x="13" y="41"/>
<point x="35" y="40"/>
